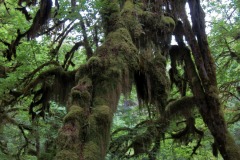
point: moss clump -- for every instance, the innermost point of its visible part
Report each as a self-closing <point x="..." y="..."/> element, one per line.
<point x="82" y="96"/>
<point x="91" y="151"/>
<point x="149" y="18"/>
<point x="182" y="106"/>
<point x="98" y="101"/>
<point x="110" y="14"/>
<point x="102" y="113"/>
<point x="66" y="155"/>
<point x="82" y="70"/>
<point x="85" y="97"/>
<point x="75" y="113"/>
<point x="86" y="81"/>
<point x="128" y="15"/>
<point x="119" y="47"/>
<point x="94" y="62"/>
<point x="80" y="93"/>
<point x="168" y="22"/>
<point x="128" y="5"/>
<point x="113" y="72"/>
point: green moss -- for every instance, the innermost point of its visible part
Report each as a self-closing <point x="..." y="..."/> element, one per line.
<point x="85" y="81"/>
<point x="66" y="155"/>
<point x="93" y="134"/>
<point x="232" y="148"/>
<point x="109" y="7"/>
<point x="128" y="15"/>
<point x="110" y="14"/>
<point x="113" y="72"/>
<point x="150" y="20"/>
<point x="213" y="91"/>
<point x="128" y="5"/>
<point x="80" y="93"/>
<point x="98" y="101"/>
<point x="92" y="123"/>
<point x="83" y="96"/>
<point x="94" y="61"/>
<point x="182" y="106"/>
<point x="82" y="70"/>
<point x="46" y="156"/>
<point x="168" y="22"/>
<point x="119" y="45"/>
<point x="75" y="113"/>
<point x="91" y="151"/>
<point x="102" y="113"/>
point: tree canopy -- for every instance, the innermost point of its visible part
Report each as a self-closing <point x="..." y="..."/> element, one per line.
<point x="119" y="79"/>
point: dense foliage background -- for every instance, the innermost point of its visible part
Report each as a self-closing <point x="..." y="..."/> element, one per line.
<point x="29" y="130"/>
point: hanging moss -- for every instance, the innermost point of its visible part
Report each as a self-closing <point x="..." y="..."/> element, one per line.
<point x="40" y="19"/>
<point x="141" y="143"/>
<point x="66" y="155"/>
<point x="91" y="151"/>
<point x="117" y="53"/>
<point x="190" y="132"/>
<point x="152" y="83"/>
<point x="75" y="113"/>
<point x="127" y="81"/>
<point x="183" y="106"/>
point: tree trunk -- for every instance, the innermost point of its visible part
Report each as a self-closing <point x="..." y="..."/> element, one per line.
<point x="86" y="130"/>
<point x="137" y="42"/>
<point x="203" y="81"/>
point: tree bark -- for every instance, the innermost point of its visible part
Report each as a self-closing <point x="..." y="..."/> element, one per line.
<point x="203" y="81"/>
<point x="137" y="42"/>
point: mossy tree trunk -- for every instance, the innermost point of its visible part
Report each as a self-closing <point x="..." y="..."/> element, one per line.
<point x="138" y="37"/>
<point x="110" y="72"/>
